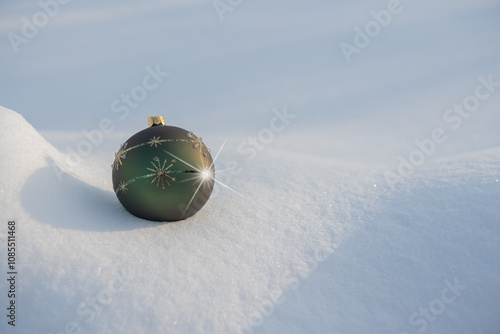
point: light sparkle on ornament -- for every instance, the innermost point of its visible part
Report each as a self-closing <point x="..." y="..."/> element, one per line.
<point x="154" y="141"/>
<point x="161" y="173"/>
<point x="205" y="172"/>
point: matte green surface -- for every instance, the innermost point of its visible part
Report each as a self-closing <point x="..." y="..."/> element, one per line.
<point x="177" y="193"/>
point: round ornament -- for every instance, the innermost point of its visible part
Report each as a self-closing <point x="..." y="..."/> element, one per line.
<point x="163" y="173"/>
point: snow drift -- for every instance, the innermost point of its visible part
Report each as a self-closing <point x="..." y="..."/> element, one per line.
<point x="314" y="245"/>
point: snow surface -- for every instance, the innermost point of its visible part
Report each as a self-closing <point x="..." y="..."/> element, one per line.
<point x="312" y="238"/>
<point x="249" y="263"/>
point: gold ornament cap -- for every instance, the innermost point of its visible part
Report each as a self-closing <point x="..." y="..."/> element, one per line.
<point x="156" y="120"/>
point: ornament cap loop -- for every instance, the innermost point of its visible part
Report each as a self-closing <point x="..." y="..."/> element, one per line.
<point x="156" y="120"/>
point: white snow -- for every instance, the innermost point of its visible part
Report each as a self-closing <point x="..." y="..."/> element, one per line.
<point x="312" y="237"/>
<point x="380" y="254"/>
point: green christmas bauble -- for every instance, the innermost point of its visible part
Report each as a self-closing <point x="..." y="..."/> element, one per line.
<point x="163" y="173"/>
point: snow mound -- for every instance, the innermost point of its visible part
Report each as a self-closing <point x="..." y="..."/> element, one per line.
<point x="438" y="230"/>
<point x="84" y="262"/>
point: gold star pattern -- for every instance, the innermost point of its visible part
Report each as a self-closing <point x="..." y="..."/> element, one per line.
<point x="196" y="142"/>
<point x="161" y="173"/>
<point x="154" y="141"/>
<point x="121" y="155"/>
<point x="122" y="187"/>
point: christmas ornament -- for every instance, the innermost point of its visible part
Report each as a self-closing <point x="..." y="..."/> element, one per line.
<point x="163" y="173"/>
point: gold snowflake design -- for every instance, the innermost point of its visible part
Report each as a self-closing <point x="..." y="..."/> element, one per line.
<point x="122" y="187"/>
<point x="121" y="155"/>
<point x="154" y="141"/>
<point x="196" y="142"/>
<point x="161" y="172"/>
